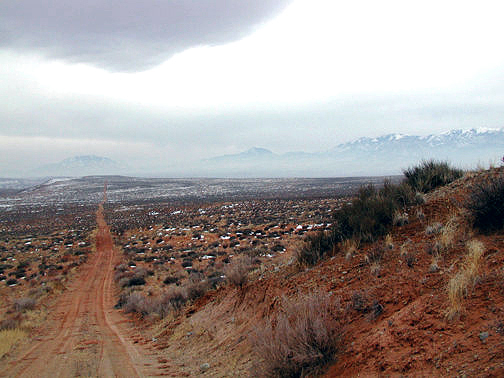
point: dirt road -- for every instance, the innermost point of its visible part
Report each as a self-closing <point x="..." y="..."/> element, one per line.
<point x="84" y="335"/>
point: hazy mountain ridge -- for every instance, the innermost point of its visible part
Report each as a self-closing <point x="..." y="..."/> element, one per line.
<point x="387" y="154"/>
<point x="366" y="156"/>
<point x="83" y="165"/>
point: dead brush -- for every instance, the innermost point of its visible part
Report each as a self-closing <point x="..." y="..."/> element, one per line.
<point x="389" y="242"/>
<point x="24" y="304"/>
<point x="373" y="259"/>
<point x="420" y="214"/>
<point x="407" y="254"/>
<point x="349" y="247"/>
<point x="465" y="279"/>
<point x="305" y="336"/>
<point x="434" y="228"/>
<point x="434" y="266"/>
<point x="400" y="219"/>
<point x="446" y="239"/>
<point x="237" y="272"/>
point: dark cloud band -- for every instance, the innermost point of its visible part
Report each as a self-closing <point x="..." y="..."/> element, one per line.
<point x="127" y="35"/>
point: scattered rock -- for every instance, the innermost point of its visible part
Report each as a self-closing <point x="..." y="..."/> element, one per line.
<point x="204" y="367"/>
<point x="483" y="336"/>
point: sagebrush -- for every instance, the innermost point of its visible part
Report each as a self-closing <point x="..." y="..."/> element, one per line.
<point x="430" y="174"/>
<point x="302" y="339"/>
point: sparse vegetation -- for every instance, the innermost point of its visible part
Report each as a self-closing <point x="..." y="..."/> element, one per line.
<point x="465" y="279"/>
<point x="400" y="219"/>
<point x="487" y="205"/>
<point x="237" y="272"/>
<point x="314" y="248"/>
<point x="368" y="216"/>
<point x="431" y="174"/>
<point x="304" y="338"/>
<point x="389" y="242"/>
<point x="24" y="304"/>
<point x="349" y="248"/>
<point x="8" y="337"/>
<point x="373" y="259"/>
<point x="434" y="229"/>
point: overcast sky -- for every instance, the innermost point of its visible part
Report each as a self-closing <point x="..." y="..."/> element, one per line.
<point x="150" y="83"/>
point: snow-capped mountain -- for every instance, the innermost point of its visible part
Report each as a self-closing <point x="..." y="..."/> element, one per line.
<point x="383" y="155"/>
<point x="460" y="147"/>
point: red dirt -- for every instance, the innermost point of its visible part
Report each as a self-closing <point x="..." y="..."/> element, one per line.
<point x="84" y="335"/>
<point x="410" y="336"/>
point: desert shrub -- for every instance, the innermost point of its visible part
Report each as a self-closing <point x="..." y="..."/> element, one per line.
<point x="402" y="194"/>
<point x="138" y="303"/>
<point x="368" y="216"/>
<point x="434" y="229"/>
<point x="359" y="301"/>
<point x="172" y="300"/>
<point x="11" y="281"/>
<point x="25" y="303"/>
<point x="305" y="337"/>
<point x="486" y="204"/>
<point x="10" y="323"/>
<point x="237" y="272"/>
<point x="170" y="280"/>
<point x="400" y="219"/>
<point x="314" y="248"/>
<point x="135" y="281"/>
<point x="196" y="286"/>
<point x="430" y="174"/>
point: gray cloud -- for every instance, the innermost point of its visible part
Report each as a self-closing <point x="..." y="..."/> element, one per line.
<point x="127" y="35"/>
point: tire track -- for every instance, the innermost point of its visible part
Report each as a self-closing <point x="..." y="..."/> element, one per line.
<point x="83" y="335"/>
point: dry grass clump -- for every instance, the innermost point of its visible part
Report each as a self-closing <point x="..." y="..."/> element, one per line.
<point x="434" y="228"/>
<point x="389" y="242"/>
<point x="434" y="266"/>
<point x="420" y="214"/>
<point x="349" y="248"/>
<point x="304" y="338"/>
<point x="446" y="234"/>
<point x="407" y="254"/>
<point x="237" y="272"/>
<point x="466" y="278"/>
<point x="373" y="259"/>
<point x="8" y="337"/>
<point x="400" y="219"/>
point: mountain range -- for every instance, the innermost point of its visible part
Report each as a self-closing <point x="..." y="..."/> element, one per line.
<point x="85" y="165"/>
<point x="385" y="155"/>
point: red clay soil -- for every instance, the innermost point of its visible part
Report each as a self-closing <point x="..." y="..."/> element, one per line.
<point x="83" y="334"/>
<point x="400" y="330"/>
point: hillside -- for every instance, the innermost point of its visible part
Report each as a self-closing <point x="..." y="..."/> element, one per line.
<point x="393" y="319"/>
<point x="255" y="286"/>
